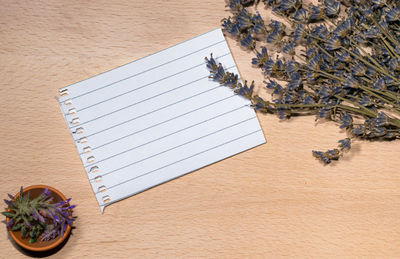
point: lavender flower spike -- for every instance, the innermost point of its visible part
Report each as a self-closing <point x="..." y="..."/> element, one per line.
<point x="46" y="192"/>
<point x="10" y="223"/>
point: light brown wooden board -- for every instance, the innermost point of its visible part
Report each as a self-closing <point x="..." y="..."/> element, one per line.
<point x="273" y="201"/>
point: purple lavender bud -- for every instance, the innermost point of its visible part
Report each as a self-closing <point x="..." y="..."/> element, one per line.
<point x="59" y="204"/>
<point x="59" y="212"/>
<point x="51" y="215"/>
<point x="7" y="202"/>
<point x="41" y="218"/>
<point x="11" y="197"/>
<point x="54" y="233"/>
<point x="34" y="214"/>
<point x="50" y="199"/>
<point x="64" y="214"/>
<point x="20" y="192"/>
<point x="49" y="234"/>
<point x="10" y="222"/>
<point x="71" y="207"/>
<point x="46" y="192"/>
<point x="54" y="217"/>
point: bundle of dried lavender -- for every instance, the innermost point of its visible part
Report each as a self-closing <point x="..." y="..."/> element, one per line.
<point x="343" y="68"/>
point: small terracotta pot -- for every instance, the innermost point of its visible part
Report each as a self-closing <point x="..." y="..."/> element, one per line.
<point x="39" y="246"/>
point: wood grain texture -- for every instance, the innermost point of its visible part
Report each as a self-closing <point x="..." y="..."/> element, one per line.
<point x="273" y="201"/>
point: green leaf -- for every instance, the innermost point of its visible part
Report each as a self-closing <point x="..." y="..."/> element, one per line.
<point x="23" y="231"/>
<point x="16" y="227"/>
<point x="12" y="207"/>
<point x="33" y="239"/>
<point x="34" y="235"/>
<point x="8" y="214"/>
<point x="24" y="219"/>
<point x="40" y="227"/>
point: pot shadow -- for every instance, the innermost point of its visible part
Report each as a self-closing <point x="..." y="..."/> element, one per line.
<point x="43" y="253"/>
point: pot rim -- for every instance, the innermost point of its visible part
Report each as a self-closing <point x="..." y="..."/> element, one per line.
<point x="44" y="248"/>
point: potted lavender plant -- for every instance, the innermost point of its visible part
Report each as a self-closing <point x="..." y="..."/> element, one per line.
<point x="38" y="218"/>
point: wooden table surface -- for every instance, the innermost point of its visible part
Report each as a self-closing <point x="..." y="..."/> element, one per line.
<point x="273" y="201"/>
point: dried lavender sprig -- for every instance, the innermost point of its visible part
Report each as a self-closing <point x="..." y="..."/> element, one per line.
<point x="218" y="73"/>
<point x="333" y="154"/>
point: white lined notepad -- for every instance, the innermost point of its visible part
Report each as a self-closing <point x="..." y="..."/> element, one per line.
<point x="157" y="118"/>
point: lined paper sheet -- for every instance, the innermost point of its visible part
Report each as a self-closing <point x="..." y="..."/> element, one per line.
<point x="157" y="118"/>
